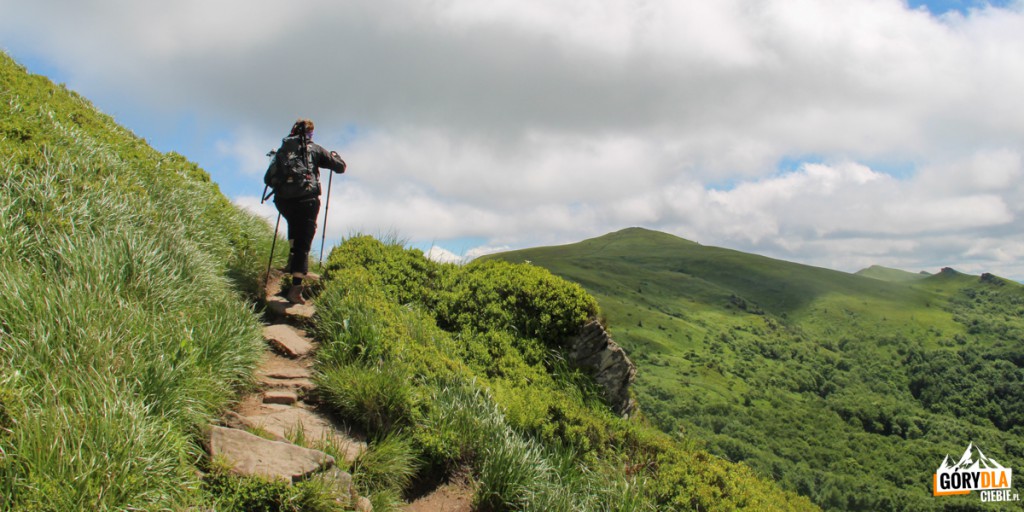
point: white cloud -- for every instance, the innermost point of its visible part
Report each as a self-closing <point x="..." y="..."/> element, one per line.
<point x="442" y="255"/>
<point x="529" y="122"/>
<point x="249" y="150"/>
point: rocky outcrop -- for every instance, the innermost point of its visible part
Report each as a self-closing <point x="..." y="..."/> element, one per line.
<point x="594" y="351"/>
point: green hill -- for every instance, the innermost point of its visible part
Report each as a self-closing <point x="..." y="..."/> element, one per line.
<point x="890" y="274"/>
<point x="848" y="389"/>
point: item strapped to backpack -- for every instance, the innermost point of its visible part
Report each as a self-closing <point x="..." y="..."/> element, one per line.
<point x="292" y="173"/>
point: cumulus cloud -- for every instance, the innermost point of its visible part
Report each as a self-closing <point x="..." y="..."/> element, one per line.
<point x="838" y="133"/>
<point x="442" y="255"/>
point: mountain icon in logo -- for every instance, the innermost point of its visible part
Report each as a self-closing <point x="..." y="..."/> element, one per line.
<point x="969" y="463"/>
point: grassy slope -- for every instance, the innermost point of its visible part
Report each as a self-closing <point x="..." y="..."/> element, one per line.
<point x="124" y="327"/>
<point x="810" y="375"/>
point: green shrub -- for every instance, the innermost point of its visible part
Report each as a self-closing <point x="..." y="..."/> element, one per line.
<point x="234" y="493"/>
<point x="518" y="298"/>
<point x="405" y="276"/>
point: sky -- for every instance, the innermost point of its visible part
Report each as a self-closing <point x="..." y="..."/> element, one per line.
<point x="836" y="133"/>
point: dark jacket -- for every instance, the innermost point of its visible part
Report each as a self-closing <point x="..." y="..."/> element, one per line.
<point x="294" y="173"/>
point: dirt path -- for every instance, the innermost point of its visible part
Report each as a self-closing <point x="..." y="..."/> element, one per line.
<point x="263" y="433"/>
<point x="282" y="411"/>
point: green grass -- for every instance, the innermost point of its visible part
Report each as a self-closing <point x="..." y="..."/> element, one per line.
<point x="809" y="375"/>
<point x="125" y="326"/>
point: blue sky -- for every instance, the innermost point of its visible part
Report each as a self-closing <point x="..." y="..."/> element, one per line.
<point x="940" y="7"/>
<point x="835" y="133"/>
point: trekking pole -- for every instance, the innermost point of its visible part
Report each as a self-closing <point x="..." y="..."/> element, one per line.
<point x="273" y="245"/>
<point x="327" y="208"/>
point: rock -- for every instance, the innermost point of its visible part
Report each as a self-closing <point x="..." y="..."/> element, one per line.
<point x="279" y="367"/>
<point x="347" y="495"/>
<point x="252" y="455"/>
<point x="282" y="308"/>
<point x="280" y="396"/>
<point x="303" y="384"/>
<point x="341" y="483"/>
<point x="237" y="421"/>
<point x="364" y="505"/>
<point x="287" y="373"/>
<point x="595" y="351"/>
<point x="287" y="340"/>
<point x="286" y="421"/>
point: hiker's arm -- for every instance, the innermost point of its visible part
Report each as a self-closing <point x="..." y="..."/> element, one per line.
<point x="330" y="160"/>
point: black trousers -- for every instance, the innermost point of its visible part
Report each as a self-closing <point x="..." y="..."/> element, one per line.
<point x="301" y="215"/>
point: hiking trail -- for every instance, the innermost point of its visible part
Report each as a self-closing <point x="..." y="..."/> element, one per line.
<point x="283" y="409"/>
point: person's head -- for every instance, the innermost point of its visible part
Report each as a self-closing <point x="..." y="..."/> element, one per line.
<point x="302" y="127"/>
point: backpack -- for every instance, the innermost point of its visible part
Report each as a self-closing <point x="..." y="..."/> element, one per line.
<point x="292" y="173"/>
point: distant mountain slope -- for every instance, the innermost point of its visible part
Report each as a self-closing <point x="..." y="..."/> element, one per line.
<point x="890" y="274"/>
<point x="703" y="272"/>
<point x="808" y="374"/>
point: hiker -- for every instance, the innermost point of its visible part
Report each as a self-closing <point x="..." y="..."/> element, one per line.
<point x="294" y="175"/>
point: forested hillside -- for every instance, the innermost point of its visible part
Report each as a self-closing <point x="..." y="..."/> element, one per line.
<point x="847" y="389"/>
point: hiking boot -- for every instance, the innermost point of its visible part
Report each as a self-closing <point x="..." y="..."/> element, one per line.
<point x="308" y="276"/>
<point x="295" y="295"/>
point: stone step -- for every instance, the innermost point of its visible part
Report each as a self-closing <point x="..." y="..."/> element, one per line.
<point x="280" y="396"/>
<point x="287" y="340"/>
<point x="279" y="367"/>
<point x="249" y="454"/>
<point x="293" y="384"/>
<point x="285" y="421"/>
<point x="280" y="307"/>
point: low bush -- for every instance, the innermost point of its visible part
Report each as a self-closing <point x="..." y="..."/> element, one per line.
<point x="233" y="493"/>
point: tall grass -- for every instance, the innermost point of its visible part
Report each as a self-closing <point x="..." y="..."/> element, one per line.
<point x="122" y="330"/>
